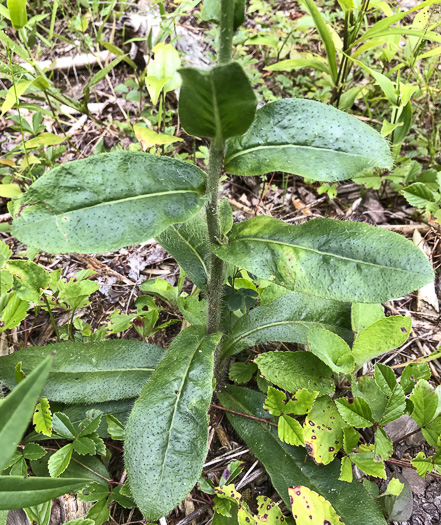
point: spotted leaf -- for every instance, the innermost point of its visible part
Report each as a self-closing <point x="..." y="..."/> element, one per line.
<point x="309" y="508"/>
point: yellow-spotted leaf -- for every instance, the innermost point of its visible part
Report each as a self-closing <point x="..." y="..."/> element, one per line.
<point x="308" y="508"/>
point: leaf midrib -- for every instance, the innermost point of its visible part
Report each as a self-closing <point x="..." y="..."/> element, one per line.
<point x="192" y="248"/>
<point x="290" y="145"/>
<point x="330" y="254"/>
<point x="56" y="216"/>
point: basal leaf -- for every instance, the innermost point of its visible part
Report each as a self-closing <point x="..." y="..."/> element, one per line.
<point x="294" y="370"/>
<point x="307" y="138"/>
<point x="188" y="243"/>
<point x="286" y="464"/>
<point x="307" y="505"/>
<point x="219" y="103"/>
<point x="287" y="319"/>
<point x="345" y="261"/>
<point x="167" y="433"/>
<point x="105" y="202"/>
<point x="19" y="492"/>
<point x="380" y="337"/>
<point x="323" y="431"/>
<point x="89" y="372"/>
<point x="17" y="409"/>
<point x="331" y="349"/>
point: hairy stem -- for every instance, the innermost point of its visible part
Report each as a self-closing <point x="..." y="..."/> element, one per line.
<point x="226" y="31"/>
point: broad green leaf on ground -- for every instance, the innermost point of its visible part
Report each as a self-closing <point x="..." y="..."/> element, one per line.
<point x="18" y="13"/>
<point x="323" y="431"/>
<point x="356" y="412"/>
<point x="286" y="464"/>
<point x="380" y="337"/>
<point x="307" y="138"/>
<point x="345" y="261"/>
<point x="365" y="461"/>
<point x="105" y="202"/>
<point x="33" y="451"/>
<point x="17" y="409"/>
<point x="167" y="433"/>
<point x="88" y="372"/>
<point x="307" y="505"/>
<point x="412" y="373"/>
<point x="425" y="403"/>
<point x="294" y="370"/>
<point x="331" y="349"/>
<point x="218" y="104"/>
<point x="287" y="319"/>
<point x="188" y="243"/>
<point x="363" y="315"/>
<point x="6" y="281"/>
<point x="242" y="372"/>
<point x="29" y="279"/>
<point x="165" y="65"/>
<point x="19" y="492"/>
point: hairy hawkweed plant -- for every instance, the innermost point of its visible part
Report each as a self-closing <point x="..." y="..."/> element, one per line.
<point x="313" y="270"/>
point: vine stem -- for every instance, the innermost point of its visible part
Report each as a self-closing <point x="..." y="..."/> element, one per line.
<point x="261" y="419"/>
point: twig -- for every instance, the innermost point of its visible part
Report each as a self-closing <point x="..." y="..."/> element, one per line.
<point x="261" y="419"/>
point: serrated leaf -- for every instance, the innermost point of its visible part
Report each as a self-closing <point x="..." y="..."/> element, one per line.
<point x="62" y="426"/>
<point x="425" y="403"/>
<point x="287" y="319"/>
<point x="420" y="196"/>
<point x="367" y="388"/>
<point x="89" y="372"/>
<point x="323" y="431"/>
<point x="43" y="418"/>
<point x="59" y="461"/>
<point x="14" y="312"/>
<point x="17" y="409"/>
<point x="5" y="253"/>
<point x="412" y="373"/>
<point x="188" y="243"/>
<point x="306" y="138"/>
<point x="242" y="372"/>
<point x="105" y="202"/>
<point x="287" y="467"/>
<point x="99" y="512"/>
<point x="383" y="445"/>
<point x="365" y="462"/>
<point x="320" y="257"/>
<point x="346" y="470"/>
<point x="422" y="464"/>
<point x="275" y="401"/>
<point x="114" y="427"/>
<point x="84" y="445"/>
<point x="394" y="487"/>
<point x="19" y="492"/>
<point x="33" y="451"/>
<point x="385" y="378"/>
<point x="395" y="406"/>
<point x="219" y="103"/>
<point x="294" y="370"/>
<point x="29" y="279"/>
<point x="89" y="425"/>
<point x="331" y="349"/>
<point x="355" y="412"/>
<point x="165" y="462"/>
<point x="432" y="431"/>
<point x="351" y="437"/>
<point x="307" y="505"/>
<point x="380" y="337"/>
<point x="290" y="431"/>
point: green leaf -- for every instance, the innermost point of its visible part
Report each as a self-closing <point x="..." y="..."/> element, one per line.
<point x="385" y="378"/>
<point x="33" y="451"/>
<point x="351" y="437"/>
<point x="14" y="312"/>
<point x="39" y="514"/>
<point x="6" y="281"/>
<point x="323" y="431"/>
<point x="355" y="412"/>
<point x="45" y="139"/>
<point x="162" y="289"/>
<point x="29" y="279"/>
<point x="19" y="492"/>
<point x="219" y="103"/>
<point x="331" y="349"/>
<point x="99" y="512"/>
<point x="395" y="406"/>
<point x="17" y="409"/>
<point x="366" y="463"/>
<point x="165" y="65"/>
<point x="10" y="190"/>
<point x="188" y="243"/>
<point x="290" y="431"/>
<point x="5" y="253"/>
<point x="425" y="403"/>
<point x="154" y="87"/>
<point x="114" y="427"/>
<point x="167" y="433"/>
<point x="43" y="418"/>
<point x="287" y="319"/>
<point x="432" y="431"/>
<point x="363" y="315"/>
<point x="294" y="370"/>
<point x="412" y="373"/>
<point x="18" y="13"/>
<point x="59" y="461"/>
<point x="307" y="138"/>
<point x="307" y="505"/>
<point x="346" y="470"/>
<point x="422" y="464"/>
<point x="383" y="446"/>
<point x="89" y="372"/>
<point x="149" y="138"/>
<point x="287" y="467"/>
<point x="345" y="261"/>
<point x="84" y="445"/>
<point x="394" y="487"/>
<point x="293" y="64"/>
<point x="242" y="372"/>
<point x="326" y="36"/>
<point x="105" y="202"/>
<point x="380" y="337"/>
<point x="367" y="388"/>
<point x="420" y="196"/>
